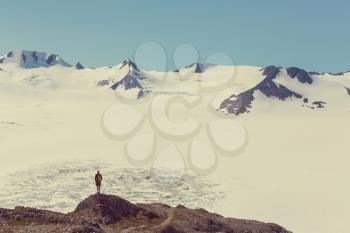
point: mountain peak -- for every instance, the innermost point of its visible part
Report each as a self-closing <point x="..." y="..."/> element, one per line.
<point x="32" y="59"/>
<point x="301" y="75"/>
<point x="79" y="66"/>
<point x="241" y="103"/>
<point x="130" y="64"/>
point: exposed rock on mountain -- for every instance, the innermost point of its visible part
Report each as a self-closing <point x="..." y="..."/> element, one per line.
<point x="32" y="59"/>
<point x="347" y="90"/>
<point x="196" y="67"/>
<point x="240" y="103"/>
<point x="300" y="74"/>
<point x="129" y="64"/>
<point x="130" y="81"/>
<point x="79" y="66"/>
<point x="319" y="104"/>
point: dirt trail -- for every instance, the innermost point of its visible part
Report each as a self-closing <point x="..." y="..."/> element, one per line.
<point x="167" y="221"/>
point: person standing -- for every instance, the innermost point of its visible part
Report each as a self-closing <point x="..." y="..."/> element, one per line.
<point x="98" y="181"/>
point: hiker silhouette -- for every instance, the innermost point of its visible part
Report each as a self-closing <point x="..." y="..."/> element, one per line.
<point x="98" y="181"/>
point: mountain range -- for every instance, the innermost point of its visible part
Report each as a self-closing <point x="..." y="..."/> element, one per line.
<point x="244" y="89"/>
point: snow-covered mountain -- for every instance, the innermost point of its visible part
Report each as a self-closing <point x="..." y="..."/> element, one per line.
<point x="32" y="59"/>
<point x="252" y="89"/>
<point x="240" y="103"/>
<point x="304" y="89"/>
<point x="130" y="82"/>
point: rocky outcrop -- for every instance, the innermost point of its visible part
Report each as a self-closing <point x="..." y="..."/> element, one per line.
<point x="299" y="74"/>
<point x="108" y="213"/>
<point x="108" y="209"/>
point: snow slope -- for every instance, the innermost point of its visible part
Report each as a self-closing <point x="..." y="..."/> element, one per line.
<point x="291" y="170"/>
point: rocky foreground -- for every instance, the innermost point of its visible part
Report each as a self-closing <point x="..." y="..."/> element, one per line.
<point x="102" y="213"/>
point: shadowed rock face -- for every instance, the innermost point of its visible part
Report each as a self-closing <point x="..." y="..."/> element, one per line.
<point x="79" y="66"/>
<point x="102" y="83"/>
<point x="130" y="81"/>
<point x="347" y="90"/>
<point x="240" y="103"/>
<point x="131" y="65"/>
<point x="10" y="54"/>
<point x="107" y="213"/>
<point x="300" y="74"/>
<point x="198" y="67"/>
<point x="51" y="59"/>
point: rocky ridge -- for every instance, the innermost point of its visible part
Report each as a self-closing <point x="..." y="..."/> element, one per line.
<point x="101" y="213"/>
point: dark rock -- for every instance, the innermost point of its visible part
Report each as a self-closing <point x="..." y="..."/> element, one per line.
<point x="34" y="55"/>
<point x="170" y="229"/>
<point x="300" y="74"/>
<point x="319" y="104"/>
<point x="103" y="83"/>
<point x="108" y="209"/>
<point x="189" y="220"/>
<point x="347" y="90"/>
<point x="314" y="73"/>
<point x="337" y="74"/>
<point x="79" y="66"/>
<point x="271" y="72"/>
<point x="88" y="228"/>
<point x="276" y="228"/>
<point x="51" y="58"/>
<point x="97" y="212"/>
<point x="198" y="67"/>
<point x="24" y="58"/>
<point x="240" y="103"/>
<point x="269" y="88"/>
<point x="130" y="81"/>
<point x="24" y="214"/>
<point x="33" y="59"/>
<point x="306" y="100"/>
<point x="131" y="65"/>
